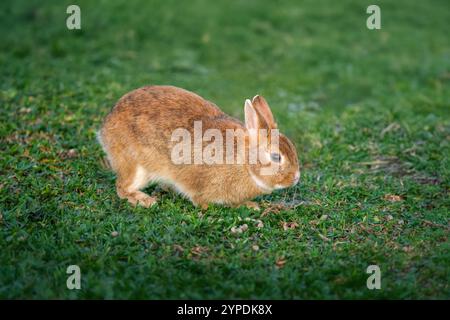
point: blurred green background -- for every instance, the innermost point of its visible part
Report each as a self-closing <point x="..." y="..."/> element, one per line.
<point x="369" y="111"/>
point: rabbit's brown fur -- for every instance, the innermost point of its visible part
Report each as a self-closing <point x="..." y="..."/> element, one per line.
<point x="136" y="137"/>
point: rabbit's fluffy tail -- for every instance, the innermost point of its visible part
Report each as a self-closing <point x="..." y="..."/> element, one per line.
<point x="104" y="161"/>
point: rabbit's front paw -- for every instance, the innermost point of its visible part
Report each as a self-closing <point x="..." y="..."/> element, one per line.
<point x="252" y="205"/>
<point x="141" y="199"/>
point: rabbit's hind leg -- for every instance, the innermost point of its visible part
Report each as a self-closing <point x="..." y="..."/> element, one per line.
<point x="130" y="179"/>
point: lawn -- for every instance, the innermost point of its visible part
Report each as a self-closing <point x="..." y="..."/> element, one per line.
<point x="369" y="112"/>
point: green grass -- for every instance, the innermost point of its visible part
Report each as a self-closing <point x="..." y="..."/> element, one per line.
<point x="334" y="85"/>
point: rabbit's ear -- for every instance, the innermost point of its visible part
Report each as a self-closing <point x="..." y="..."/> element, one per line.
<point x="253" y="119"/>
<point x="261" y="105"/>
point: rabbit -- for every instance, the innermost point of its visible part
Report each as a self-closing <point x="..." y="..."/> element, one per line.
<point x="137" y="139"/>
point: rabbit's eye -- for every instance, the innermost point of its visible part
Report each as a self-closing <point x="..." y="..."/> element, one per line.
<point x="275" y="157"/>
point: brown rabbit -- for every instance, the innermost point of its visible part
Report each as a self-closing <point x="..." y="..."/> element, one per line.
<point x="137" y="137"/>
